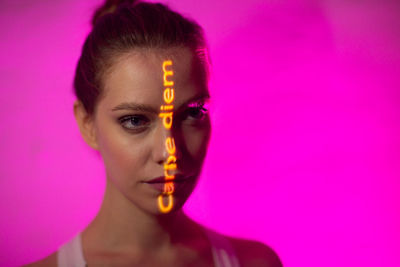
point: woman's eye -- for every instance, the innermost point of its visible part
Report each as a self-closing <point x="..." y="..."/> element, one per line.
<point x="134" y="122"/>
<point x="197" y="112"/>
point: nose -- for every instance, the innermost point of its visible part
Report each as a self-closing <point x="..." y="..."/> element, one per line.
<point x="164" y="145"/>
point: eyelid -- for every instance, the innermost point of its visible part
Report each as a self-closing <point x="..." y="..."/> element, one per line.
<point x="201" y="103"/>
<point x="201" y="112"/>
<point x="126" y="118"/>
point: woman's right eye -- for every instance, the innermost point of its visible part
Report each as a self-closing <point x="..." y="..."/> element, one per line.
<point x="134" y="122"/>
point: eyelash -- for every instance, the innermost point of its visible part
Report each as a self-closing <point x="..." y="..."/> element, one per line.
<point x="128" y="119"/>
<point x="195" y="107"/>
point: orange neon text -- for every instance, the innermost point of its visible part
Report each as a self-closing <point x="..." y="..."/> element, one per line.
<point x="167" y="73"/>
<point x="167" y="114"/>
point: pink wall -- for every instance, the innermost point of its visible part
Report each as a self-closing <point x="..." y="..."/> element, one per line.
<point x="305" y="148"/>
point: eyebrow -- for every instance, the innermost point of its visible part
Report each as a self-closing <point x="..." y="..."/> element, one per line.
<point x="135" y="107"/>
<point x="196" y="98"/>
<point x="150" y="109"/>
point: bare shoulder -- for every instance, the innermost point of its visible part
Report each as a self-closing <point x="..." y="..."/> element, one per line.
<point x="50" y="260"/>
<point x="252" y="253"/>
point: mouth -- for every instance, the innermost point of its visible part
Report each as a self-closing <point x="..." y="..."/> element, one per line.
<point x="179" y="178"/>
<point x="180" y="182"/>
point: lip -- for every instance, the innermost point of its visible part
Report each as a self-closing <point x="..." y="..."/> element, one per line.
<point x="161" y="179"/>
<point x="180" y="182"/>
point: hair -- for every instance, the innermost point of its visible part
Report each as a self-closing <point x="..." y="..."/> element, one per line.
<point x="120" y="26"/>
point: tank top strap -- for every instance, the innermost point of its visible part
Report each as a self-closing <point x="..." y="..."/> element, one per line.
<point x="70" y="254"/>
<point x="223" y="253"/>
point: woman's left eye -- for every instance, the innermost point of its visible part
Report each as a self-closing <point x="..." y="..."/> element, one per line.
<point x="197" y="112"/>
<point x="134" y="122"/>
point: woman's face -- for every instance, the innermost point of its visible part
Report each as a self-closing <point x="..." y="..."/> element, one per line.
<point x="130" y="134"/>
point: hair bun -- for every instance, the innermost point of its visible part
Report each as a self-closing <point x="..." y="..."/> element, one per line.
<point x="109" y="7"/>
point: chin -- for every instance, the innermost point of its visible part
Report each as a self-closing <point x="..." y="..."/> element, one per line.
<point x="177" y="202"/>
<point x="170" y="203"/>
<point x="147" y="198"/>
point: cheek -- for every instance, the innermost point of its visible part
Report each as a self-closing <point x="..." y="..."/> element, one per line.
<point x="120" y="153"/>
<point x="196" y="140"/>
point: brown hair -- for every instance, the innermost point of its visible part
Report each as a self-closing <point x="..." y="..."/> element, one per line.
<point x="120" y="26"/>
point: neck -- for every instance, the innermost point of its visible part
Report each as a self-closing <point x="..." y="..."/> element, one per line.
<point x="120" y="223"/>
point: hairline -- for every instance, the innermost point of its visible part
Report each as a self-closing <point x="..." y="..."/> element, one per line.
<point x="134" y="52"/>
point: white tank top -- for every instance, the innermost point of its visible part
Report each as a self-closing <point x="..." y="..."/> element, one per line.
<point x="71" y="254"/>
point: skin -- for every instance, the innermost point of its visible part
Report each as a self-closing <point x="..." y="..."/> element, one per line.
<point x="129" y="229"/>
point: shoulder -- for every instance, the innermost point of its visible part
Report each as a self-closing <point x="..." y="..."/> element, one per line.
<point x="50" y="260"/>
<point x="252" y="253"/>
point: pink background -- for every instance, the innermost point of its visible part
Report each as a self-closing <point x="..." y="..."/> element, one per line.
<point x="305" y="149"/>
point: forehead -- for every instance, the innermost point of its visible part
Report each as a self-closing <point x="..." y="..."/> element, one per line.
<point x="138" y="76"/>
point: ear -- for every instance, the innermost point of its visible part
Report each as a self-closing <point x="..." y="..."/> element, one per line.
<point x="86" y="124"/>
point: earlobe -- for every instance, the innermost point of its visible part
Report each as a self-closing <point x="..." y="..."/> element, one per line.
<point x="86" y="124"/>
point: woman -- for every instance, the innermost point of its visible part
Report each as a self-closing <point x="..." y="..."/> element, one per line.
<point x="141" y="85"/>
